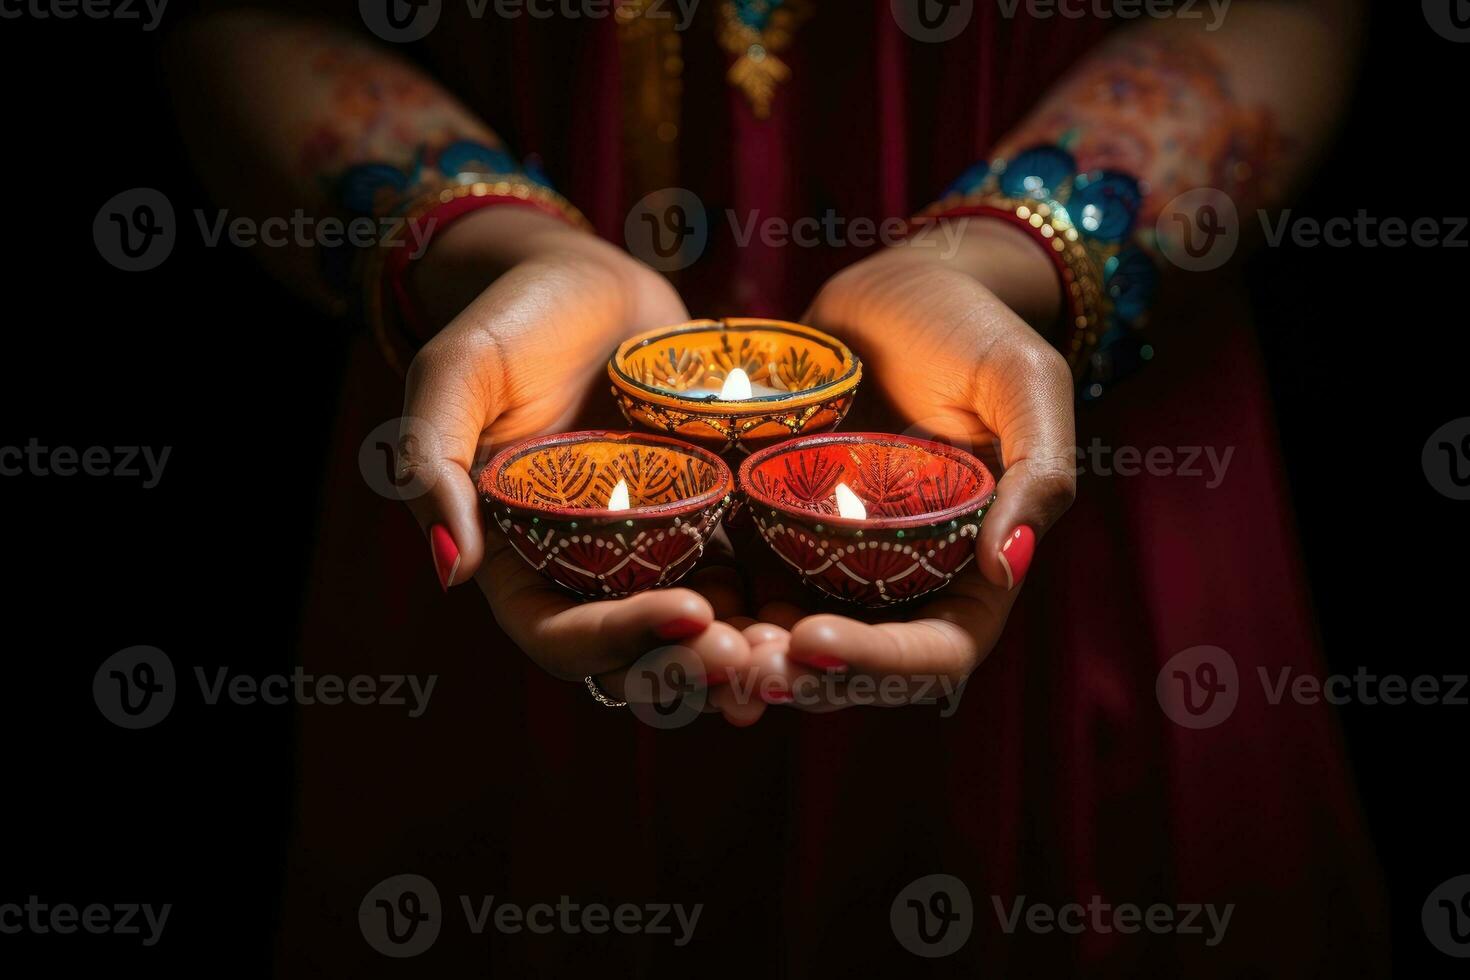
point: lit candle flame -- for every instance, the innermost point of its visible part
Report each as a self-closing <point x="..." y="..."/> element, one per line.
<point x="619" y="498"/>
<point x="737" y="386"/>
<point x="848" y="504"/>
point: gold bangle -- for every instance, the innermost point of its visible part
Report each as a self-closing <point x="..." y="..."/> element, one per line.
<point x="1079" y="264"/>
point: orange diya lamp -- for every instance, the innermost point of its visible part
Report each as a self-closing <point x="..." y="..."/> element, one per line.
<point x="607" y="514"/>
<point x="869" y="518"/>
<point x="735" y="384"/>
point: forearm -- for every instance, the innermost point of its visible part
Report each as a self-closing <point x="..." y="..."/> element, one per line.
<point x="1179" y="108"/>
<point x="1243" y="109"/>
<point x="274" y="110"/>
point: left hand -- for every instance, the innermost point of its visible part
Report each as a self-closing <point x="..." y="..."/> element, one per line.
<point x="945" y="345"/>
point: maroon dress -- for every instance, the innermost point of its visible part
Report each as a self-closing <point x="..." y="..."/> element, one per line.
<point x="1059" y="777"/>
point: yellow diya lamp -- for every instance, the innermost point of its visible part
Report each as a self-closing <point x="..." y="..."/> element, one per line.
<point x="735" y="384"/>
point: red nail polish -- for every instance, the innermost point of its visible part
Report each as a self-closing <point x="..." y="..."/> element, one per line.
<point x="1015" y="555"/>
<point x="679" y="629"/>
<point x="824" y="661"/>
<point x="777" y="697"/>
<point x="446" y="555"/>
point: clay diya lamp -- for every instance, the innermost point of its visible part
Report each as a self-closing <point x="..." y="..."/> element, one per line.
<point x="607" y="514"/>
<point x="869" y="518"/>
<point x="736" y="384"/>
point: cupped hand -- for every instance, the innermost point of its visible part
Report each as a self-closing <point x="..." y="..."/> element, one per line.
<point x="947" y="354"/>
<point x="523" y="356"/>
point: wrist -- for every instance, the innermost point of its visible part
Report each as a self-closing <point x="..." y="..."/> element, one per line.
<point x="1000" y="257"/>
<point x="478" y="248"/>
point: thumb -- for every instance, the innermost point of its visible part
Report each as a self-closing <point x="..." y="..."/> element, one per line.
<point x="447" y="404"/>
<point x="1030" y="407"/>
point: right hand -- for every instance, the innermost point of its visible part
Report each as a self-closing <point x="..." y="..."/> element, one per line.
<point x="521" y="357"/>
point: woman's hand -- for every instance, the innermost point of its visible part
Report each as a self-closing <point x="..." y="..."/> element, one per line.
<point x="947" y="354"/>
<point x="518" y="358"/>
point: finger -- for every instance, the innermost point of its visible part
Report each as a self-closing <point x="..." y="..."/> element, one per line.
<point x="757" y="633"/>
<point x="735" y="700"/>
<point x="950" y="637"/>
<point x="1024" y="393"/>
<point x="572" y="639"/>
<point x="447" y="403"/>
<point x="711" y="657"/>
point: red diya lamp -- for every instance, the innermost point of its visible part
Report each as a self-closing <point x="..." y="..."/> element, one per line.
<point x="607" y="514"/>
<point x="869" y="518"/>
<point x="736" y="383"/>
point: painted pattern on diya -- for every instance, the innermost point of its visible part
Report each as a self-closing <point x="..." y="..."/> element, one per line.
<point x="925" y="503"/>
<point x="670" y="380"/>
<point x="549" y="497"/>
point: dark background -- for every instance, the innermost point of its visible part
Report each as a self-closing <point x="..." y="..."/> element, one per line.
<point x="1366" y="354"/>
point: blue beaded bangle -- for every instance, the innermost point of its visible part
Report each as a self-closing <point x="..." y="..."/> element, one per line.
<point x="1087" y="223"/>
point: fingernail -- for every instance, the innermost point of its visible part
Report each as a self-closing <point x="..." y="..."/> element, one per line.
<point x="446" y="555"/>
<point x="679" y="629"/>
<point x="1015" y="555"/>
<point x="777" y="697"/>
<point x="824" y="661"/>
